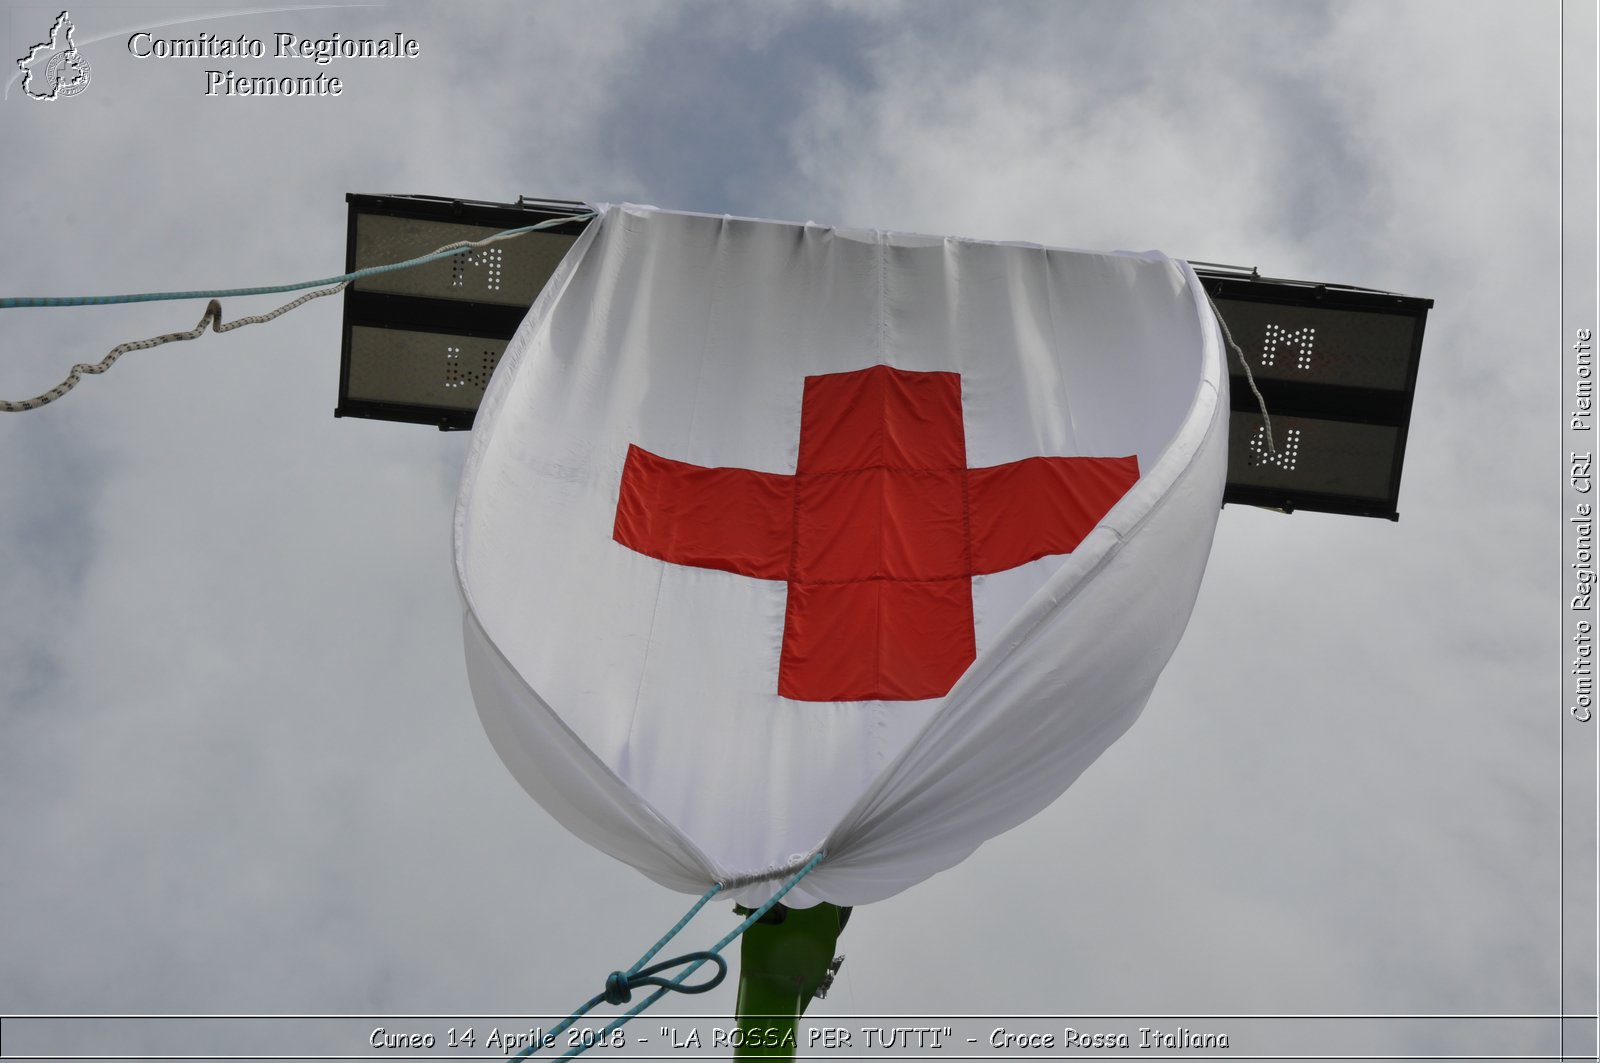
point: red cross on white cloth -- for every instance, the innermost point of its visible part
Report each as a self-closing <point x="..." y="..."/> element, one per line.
<point x="878" y="532"/>
<point x="899" y="407"/>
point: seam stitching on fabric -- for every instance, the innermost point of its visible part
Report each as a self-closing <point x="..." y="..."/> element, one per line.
<point x="1055" y="339"/>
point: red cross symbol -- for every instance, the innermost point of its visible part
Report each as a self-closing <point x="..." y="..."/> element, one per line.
<point x="878" y="533"/>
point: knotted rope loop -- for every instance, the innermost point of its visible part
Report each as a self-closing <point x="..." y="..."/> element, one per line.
<point x="620" y="984"/>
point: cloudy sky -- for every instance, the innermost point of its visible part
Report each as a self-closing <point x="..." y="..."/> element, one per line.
<point x="240" y="771"/>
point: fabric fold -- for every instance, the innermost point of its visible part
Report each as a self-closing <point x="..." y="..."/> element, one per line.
<point x="775" y="538"/>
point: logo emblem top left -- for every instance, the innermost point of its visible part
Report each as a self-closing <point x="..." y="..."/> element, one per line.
<point x="55" y="68"/>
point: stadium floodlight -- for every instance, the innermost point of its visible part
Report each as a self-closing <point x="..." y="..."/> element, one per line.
<point x="419" y="344"/>
<point x="1336" y="365"/>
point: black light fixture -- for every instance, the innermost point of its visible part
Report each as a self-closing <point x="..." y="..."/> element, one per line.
<point x="1336" y="365"/>
<point x="1337" y="368"/>
<point x="419" y="344"/>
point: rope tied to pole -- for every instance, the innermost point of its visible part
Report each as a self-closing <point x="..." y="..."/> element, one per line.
<point x="620" y="984"/>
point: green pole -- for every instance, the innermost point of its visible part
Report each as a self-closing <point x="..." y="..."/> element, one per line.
<point x="784" y="961"/>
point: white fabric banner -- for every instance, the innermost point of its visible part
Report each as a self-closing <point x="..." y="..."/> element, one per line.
<point x="775" y="538"/>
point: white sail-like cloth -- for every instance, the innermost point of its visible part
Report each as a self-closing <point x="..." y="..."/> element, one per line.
<point x="775" y="538"/>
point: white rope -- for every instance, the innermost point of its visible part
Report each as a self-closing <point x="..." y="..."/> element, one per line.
<point x="1272" y="451"/>
<point x="212" y="317"/>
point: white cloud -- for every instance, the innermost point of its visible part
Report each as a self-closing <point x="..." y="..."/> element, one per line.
<point x="236" y="742"/>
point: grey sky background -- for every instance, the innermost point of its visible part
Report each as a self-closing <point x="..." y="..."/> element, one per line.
<point x="240" y="770"/>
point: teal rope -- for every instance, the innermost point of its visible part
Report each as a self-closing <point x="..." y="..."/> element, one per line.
<point x="620" y="983"/>
<point x="19" y="302"/>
